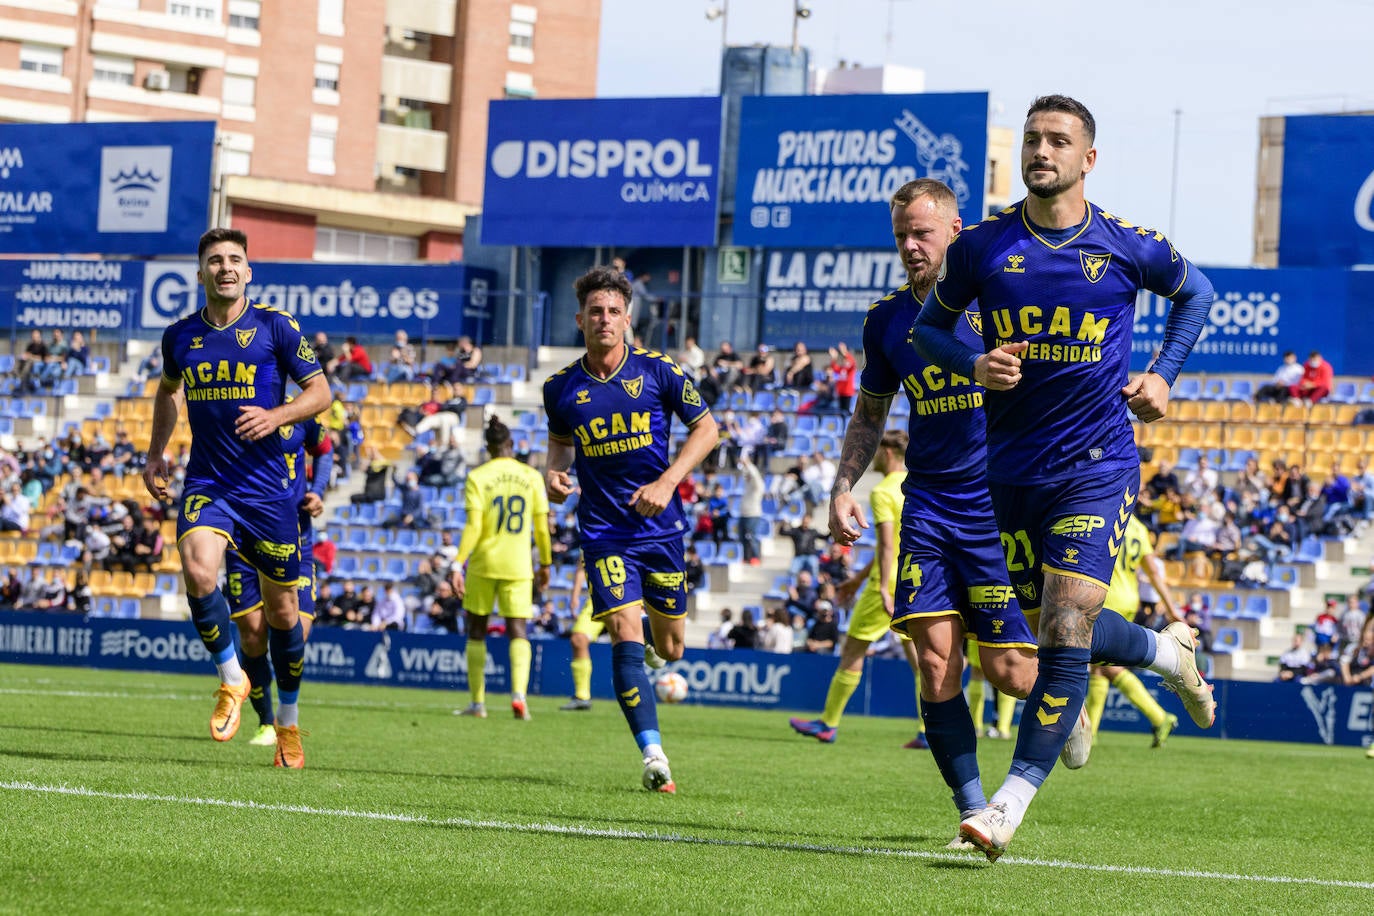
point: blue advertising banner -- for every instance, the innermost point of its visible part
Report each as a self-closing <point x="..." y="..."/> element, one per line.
<point x="818" y="171"/>
<point x="125" y="188"/>
<point x="582" y="172"/>
<point x="1325" y="714"/>
<point x="1326" y="215"/>
<point x="820" y="297"/>
<point x="440" y="300"/>
<point x="1258" y="314"/>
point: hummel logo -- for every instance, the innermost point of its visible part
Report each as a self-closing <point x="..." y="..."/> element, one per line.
<point x="1015" y="260"/>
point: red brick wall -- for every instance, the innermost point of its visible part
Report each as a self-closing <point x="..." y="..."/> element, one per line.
<point x="275" y="235"/>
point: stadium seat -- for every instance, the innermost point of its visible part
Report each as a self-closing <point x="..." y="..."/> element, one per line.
<point x="1240" y="389"/>
<point x="1310" y="550"/>
<point x="98" y="364"/>
<point x="396" y="569"/>
<point x="728" y="552"/>
<point x="406" y="540"/>
<point x="1256" y="606"/>
<point x="1283" y="576"/>
<point x="421" y="622"/>
<point x="129" y="608"/>
<point x="1344" y="393"/>
<point x="806" y="424"/>
<point x="1236" y="458"/>
<point x="482" y="396"/>
<point x="6" y="363"/>
<point x="165" y="584"/>
<point x="787" y="401"/>
<point x="1226" y="640"/>
<point x="706" y="549"/>
<point x="356" y="392"/>
<point x="1214" y="389"/>
<point x="779" y="590"/>
<point x="831" y="425"/>
<point x="1188" y="388"/>
<point x="346" y="567"/>
<point x="1366" y="393"/>
<point x="1227" y="606"/>
<point x="762" y="401"/>
<point x="103" y="606"/>
<point x="1187" y="459"/>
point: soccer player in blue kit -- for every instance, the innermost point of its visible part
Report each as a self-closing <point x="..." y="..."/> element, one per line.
<point x="234" y="359"/>
<point x="612" y="412"/>
<point x="1056" y="280"/>
<point x="299" y="440"/>
<point x="951" y="577"/>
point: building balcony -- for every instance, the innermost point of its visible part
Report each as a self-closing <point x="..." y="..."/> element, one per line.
<point x="435" y="17"/>
<point x="411" y="147"/>
<point x="416" y="79"/>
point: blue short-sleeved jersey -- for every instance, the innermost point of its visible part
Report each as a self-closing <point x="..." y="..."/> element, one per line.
<point x="946" y="428"/>
<point x="245" y="363"/>
<point x="619" y="429"/>
<point x="1074" y="301"/>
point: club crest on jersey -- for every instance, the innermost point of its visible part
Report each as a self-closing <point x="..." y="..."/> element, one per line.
<point x="1014" y="262"/>
<point x="1027" y="590"/>
<point x="1094" y="265"/>
<point x="975" y="320"/>
<point x="690" y="397"/>
<point x="245" y="336"/>
<point x="584" y="396"/>
<point x="190" y="508"/>
<point x="197" y="343"/>
<point x="618" y="592"/>
<point x="633" y="386"/>
<point x="305" y="352"/>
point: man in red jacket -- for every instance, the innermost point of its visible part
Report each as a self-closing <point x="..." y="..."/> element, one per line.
<point x="1317" y="376"/>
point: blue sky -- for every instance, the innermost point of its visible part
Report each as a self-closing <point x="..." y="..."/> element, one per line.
<point x="1224" y="64"/>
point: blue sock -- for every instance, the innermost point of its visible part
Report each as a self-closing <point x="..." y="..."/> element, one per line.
<point x="1117" y="641"/>
<point x="210" y="614"/>
<point x="954" y="745"/>
<point x="648" y="631"/>
<point x="287" y="648"/>
<point x="259" y="671"/>
<point x="1050" y="712"/>
<point x="634" y="692"/>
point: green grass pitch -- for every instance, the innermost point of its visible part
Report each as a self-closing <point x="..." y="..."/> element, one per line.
<point x="114" y="799"/>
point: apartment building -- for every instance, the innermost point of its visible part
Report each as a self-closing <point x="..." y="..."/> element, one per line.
<point x="347" y="129"/>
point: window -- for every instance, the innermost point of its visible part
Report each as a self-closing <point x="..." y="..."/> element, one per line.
<point x="244" y="14"/>
<point x="326" y="76"/>
<point x="234" y="162"/>
<point x="331" y="21"/>
<point x="239" y="90"/>
<point x="200" y="10"/>
<point x="348" y="245"/>
<point x="519" y="85"/>
<point x="521" y="35"/>
<point x="41" y="59"/>
<point x="324" y="131"/>
<point x="118" y="70"/>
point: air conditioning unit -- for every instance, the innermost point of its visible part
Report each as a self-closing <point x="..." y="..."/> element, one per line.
<point x="158" y="80"/>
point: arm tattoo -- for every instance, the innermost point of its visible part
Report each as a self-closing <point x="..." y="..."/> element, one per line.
<point x="861" y="440"/>
<point x="1070" y="608"/>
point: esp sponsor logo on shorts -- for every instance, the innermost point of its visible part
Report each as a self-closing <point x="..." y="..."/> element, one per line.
<point x="990" y="595"/>
<point x="1080" y="525"/>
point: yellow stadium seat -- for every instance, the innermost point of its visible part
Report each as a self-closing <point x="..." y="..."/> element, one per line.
<point x="1242" y="412"/>
<point x="1185" y="410"/>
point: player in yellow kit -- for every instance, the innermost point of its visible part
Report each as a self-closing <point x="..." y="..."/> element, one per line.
<point x="507" y="507"/>
<point x="872" y="615"/>
<point x="1123" y="596"/>
<point x="585" y="631"/>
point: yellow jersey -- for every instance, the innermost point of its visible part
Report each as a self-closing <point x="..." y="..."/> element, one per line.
<point x="507" y="508"/>
<point x="886" y="503"/>
<point x="1123" y="593"/>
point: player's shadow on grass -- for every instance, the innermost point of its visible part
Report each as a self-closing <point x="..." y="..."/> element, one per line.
<point x="103" y="732"/>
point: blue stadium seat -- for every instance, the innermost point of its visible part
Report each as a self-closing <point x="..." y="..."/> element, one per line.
<point x="356" y="392"/>
<point x="366" y="513"/>
<point x="515" y="372"/>
<point x="1256" y="606"/>
<point x="728" y="552"/>
<point x="1283" y="576"/>
<point x="129" y="609"/>
<point x="806" y="424"/>
<point x="346" y="567"/>
<point x="832" y="425"/>
<point x="1214" y="389"/>
<point x="779" y="590"/>
<point x="97" y="364"/>
<point x="103" y="409"/>
<point x="421" y="622"/>
<point x="1188" y="388"/>
<point x="1310" y="550"/>
<point x="762" y="401"/>
<point x="1187" y="459"/>
<point x="706" y="549"/>
<point x="1367" y="393"/>
<point x="787" y="400"/>
<point x="482" y="396"/>
<point x="1236" y="458"/>
<point x="165" y="584"/>
<point x="1241" y="389"/>
<point x="530" y="419"/>
<point x="406" y="540"/>
<point x="103" y="606"/>
<point x="798" y="445"/>
<point x="1344" y="393"/>
<point x="396" y="569"/>
<point x="1226" y="640"/>
<point x="46" y="554"/>
<point x="6" y="363"/>
<point x="356" y="539"/>
<point x="1226" y="606"/>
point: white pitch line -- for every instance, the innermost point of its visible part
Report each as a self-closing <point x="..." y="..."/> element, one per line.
<point x="614" y="834"/>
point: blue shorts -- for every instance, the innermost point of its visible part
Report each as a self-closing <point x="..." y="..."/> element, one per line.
<point x="268" y="537"/>
<point x="241" y="580"/>
<point x="652" y="572"/>
<point x="950" y="563"/>
<point x="1073" y="527"/>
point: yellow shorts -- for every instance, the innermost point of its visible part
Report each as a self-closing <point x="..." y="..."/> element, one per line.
<point x="511" y="598"/>
<point x="585" y="625"/>
<point x="870" y="619"/>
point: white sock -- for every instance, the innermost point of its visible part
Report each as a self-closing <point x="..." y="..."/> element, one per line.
<point x="654" y="750"/>
<point x="288" y="714"/>
<point x="1166" y="656"/>
<point x="230" y="672"/>
<point x="1016" y="793"/>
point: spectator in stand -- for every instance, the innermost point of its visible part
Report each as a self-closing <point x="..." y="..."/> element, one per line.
<point x="411" y="513"/>
<point x="324" y="604"/>
<point x="445" y="607"/>
<point x="28" y="367"/>
<point x="687" y="491"/>
<point x="774" y="440"/>
<point x="350" y="604"/>
<point x="1202" y="630"/>
<point x="324" y="351"/>
<point x="692" y="358"/>
<point x="150" y="367"/>
<point x="1357" y="662"/>
<point x="727" y="367"/>
<point x="1280" y="539"/>
<point x="750" y="508"/>
<point x="49" y="593"/>
<point x="124" y="457"/>
<point x="1201" y="482"/>
<point x="1325" y="667"/>
<point x="823" y="633"/>
<point x="845" y="374"/>
<point x="1251" y="481"/>
<point x="804" y="538"/>
<point x="1310" y="511"/>
<point x="693" y="568"/>
<point x="776" y="635"/>
<point x="353" y="363"/>
<point x="800" y="374"/>
<point x="802" y="595"/>
<point x="1290" y="483"/>
<point x="80" y="594"/>
<point x="326" y="554"/>
<point x="78" y="356"/>
<point x="1336" y="492"/>
<point x="14" y="511"/>
<point x="445" y="371"/>
<point x="1287" y="375"/>
<point x="718" y="508"/>
<point x="389" y="613"/>
<point x="1316" y="381"/>
<point x="744" y="635"/>
<point x="376" y="480"/>
<point x="401" y="365"/>
<point x="469" y="360"/>
<point x="719" y="638"/>
<point x="819" y="477"/>
<point x="10" y="589"/>
<point x="1294" y="663"/>
<point x="1199" y="531"/>
<point x="1326" y="629"/>
<point x="148" y="544"/>
<point x="122" y="545"/>
<point x="367" y="605"/>
<point x="762" y="370"/>
<point x="55" y="362"/>
<point x="1353" y="621"/>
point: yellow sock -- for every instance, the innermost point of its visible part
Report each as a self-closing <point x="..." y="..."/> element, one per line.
<point x="976" y="693"/>
<point x="842" y="687"/>
<point x="1097" y="700"/>
<point x="920" y="719"/>
<point x="582" y="678"/>
<point x="519" y="666"/>
<point x="1006" y="711"/>
<point x="1133" y="690"/>
<point x="477" y="670"/>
